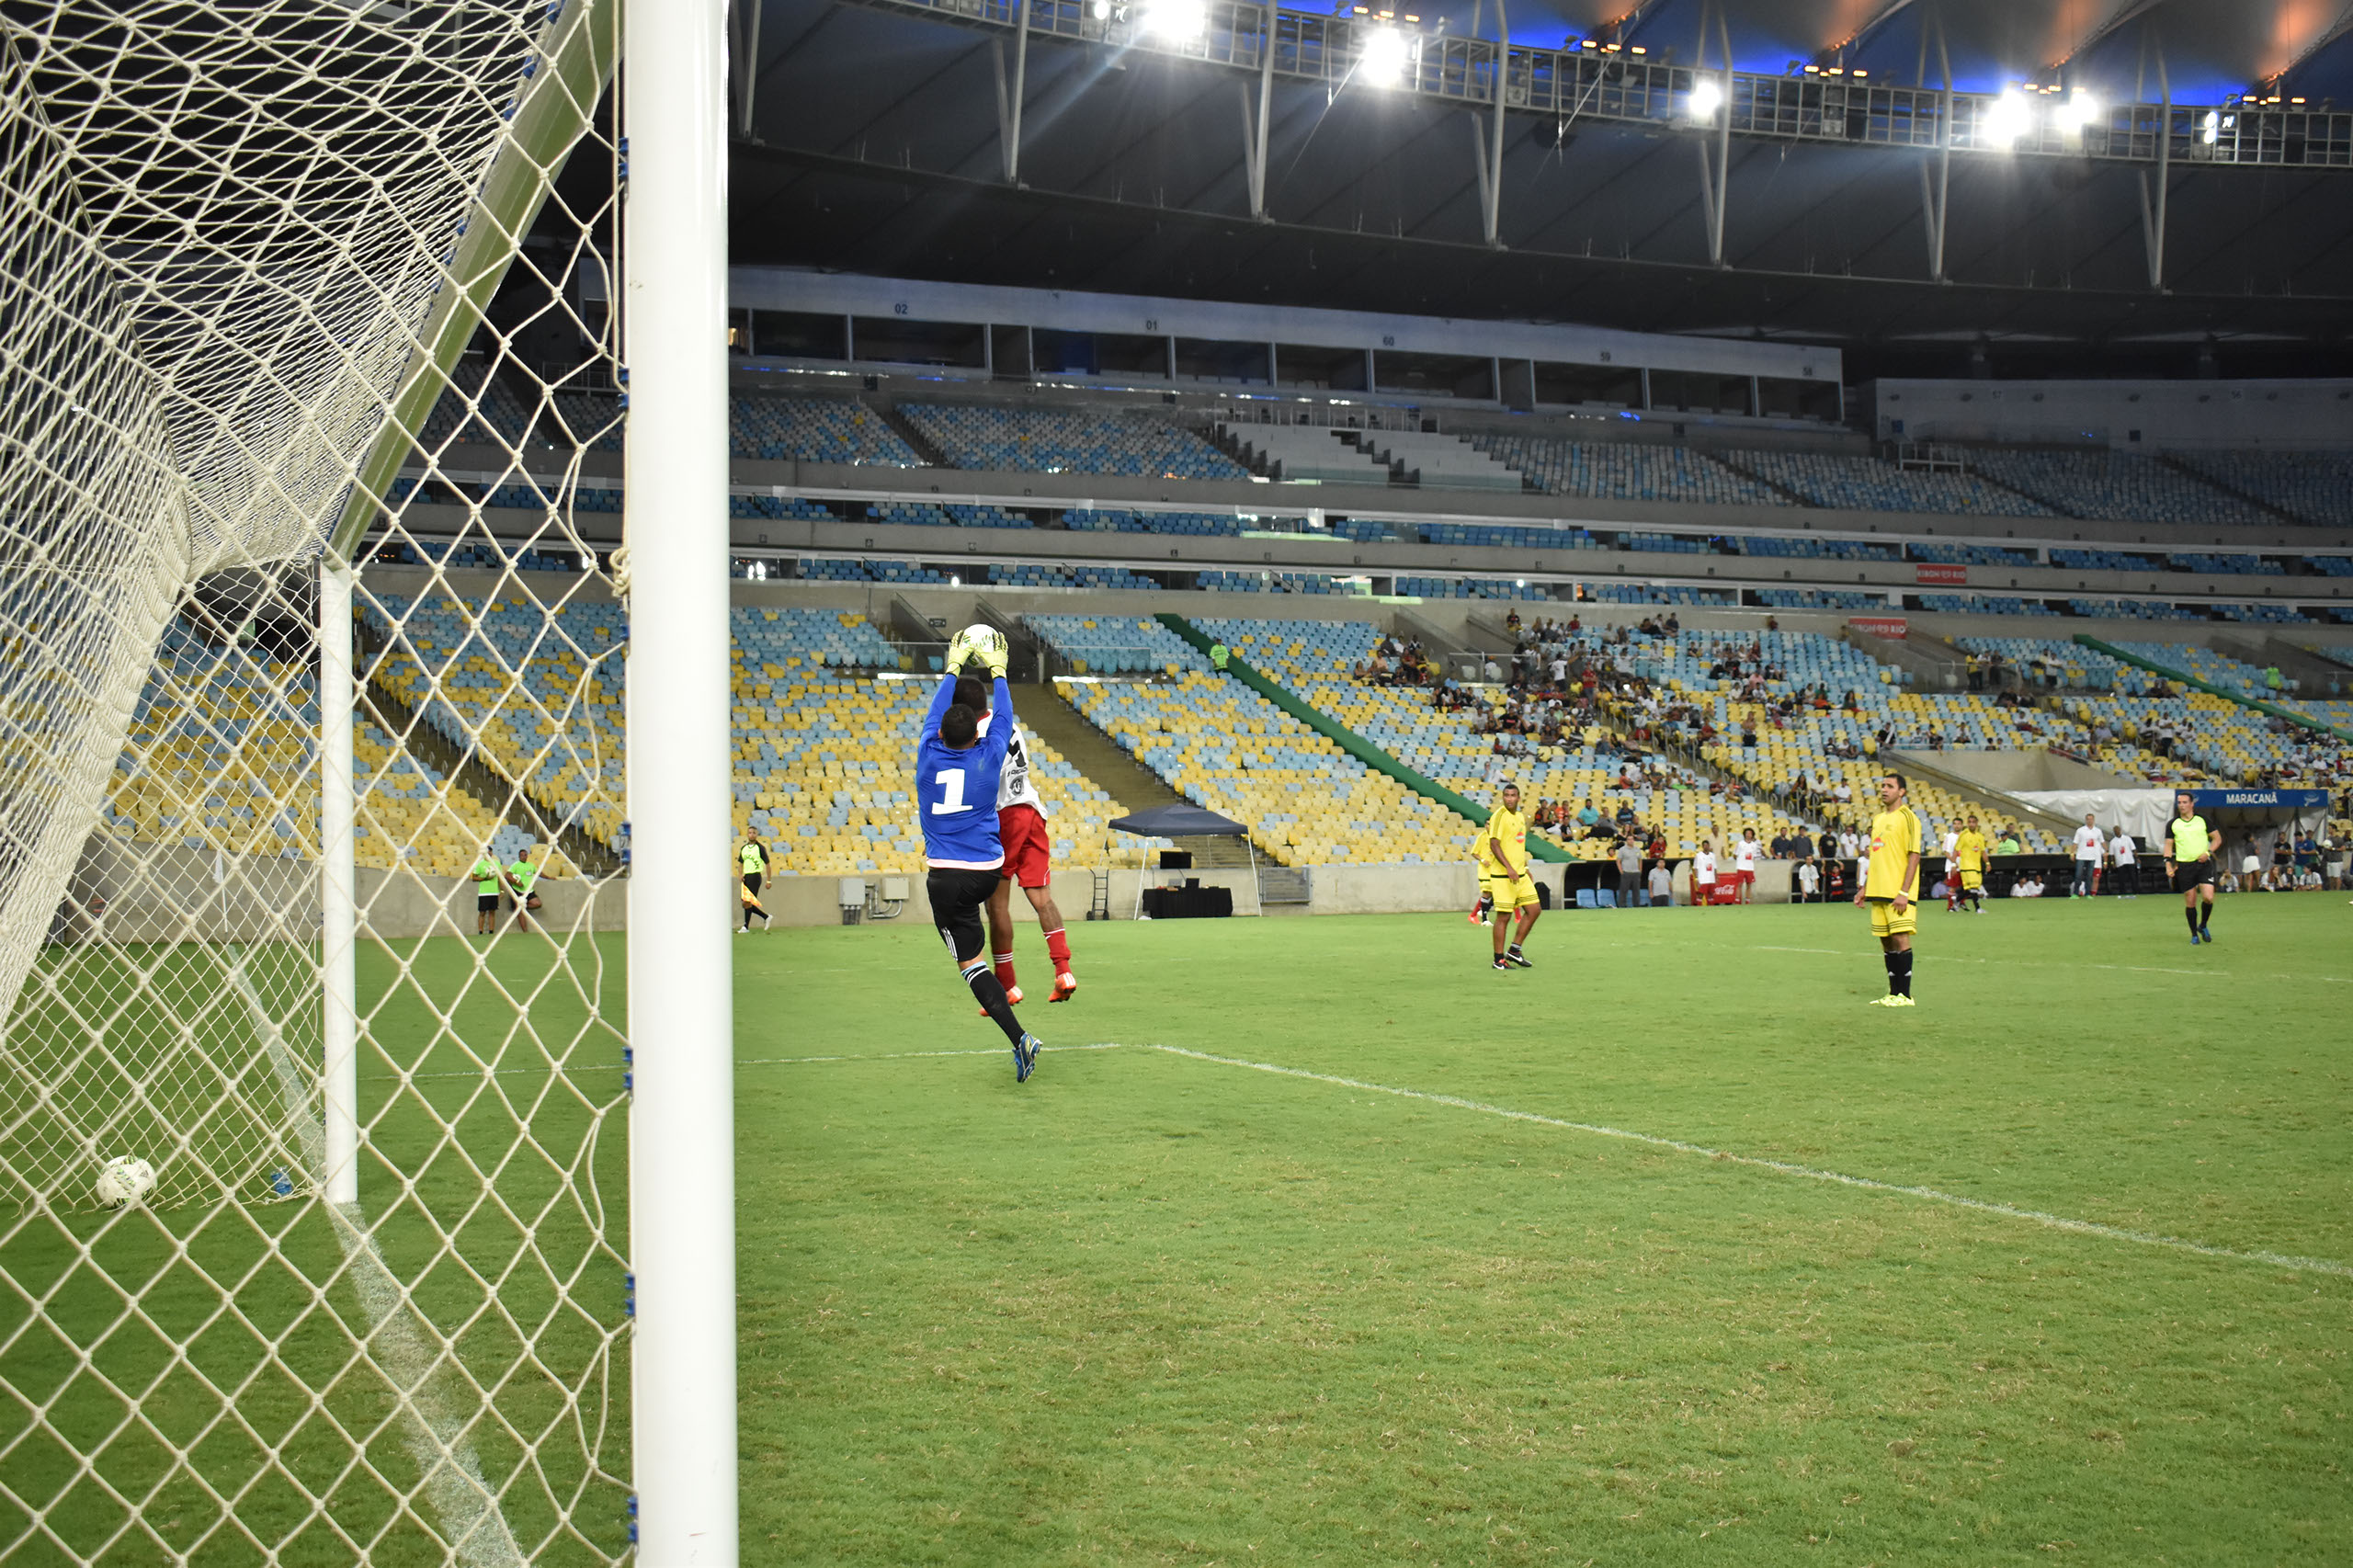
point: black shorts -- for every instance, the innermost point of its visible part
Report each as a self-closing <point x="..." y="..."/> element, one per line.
<point x="957" y="899"/>
<point x="485" y="904"/>
<point x="752" y="881"/>
<point x="2191" y="874"/>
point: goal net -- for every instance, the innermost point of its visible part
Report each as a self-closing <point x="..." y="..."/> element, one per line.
<point x="311" y="798"/>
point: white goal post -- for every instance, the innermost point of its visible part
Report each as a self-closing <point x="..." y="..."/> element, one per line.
<point x="328" y="332"/>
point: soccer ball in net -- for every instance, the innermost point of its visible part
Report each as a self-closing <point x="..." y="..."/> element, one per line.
<point x="126" y="1179"/>
<point x="984" y="644"/>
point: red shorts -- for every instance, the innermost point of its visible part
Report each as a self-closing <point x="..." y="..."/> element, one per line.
<point x="1027" y="850"/>
<point x="1745" y="879"/>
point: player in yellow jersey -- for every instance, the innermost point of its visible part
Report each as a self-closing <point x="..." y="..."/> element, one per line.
<point x="1891" y="887"/>
<point x="1969" y="864"/>
<point x="1505" y="840"/>
<point x="1484" y="906"/>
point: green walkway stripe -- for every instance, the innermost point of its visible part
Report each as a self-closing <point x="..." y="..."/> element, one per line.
<point x="1355" y="745"/>
<point x="2186" y="678"/>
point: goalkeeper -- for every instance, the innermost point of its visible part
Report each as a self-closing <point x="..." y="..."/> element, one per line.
<point x="957" y="772"/>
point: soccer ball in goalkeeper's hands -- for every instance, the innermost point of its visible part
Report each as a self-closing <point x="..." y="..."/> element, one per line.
<point x="126" y="1179"/>
<point x="978" y="645"/>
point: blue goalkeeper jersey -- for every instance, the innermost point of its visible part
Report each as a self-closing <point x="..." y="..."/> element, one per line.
<point x="956" y="791"/>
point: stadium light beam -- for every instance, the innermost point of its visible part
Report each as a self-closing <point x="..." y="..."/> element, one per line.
<point x="1707" y="96"/>
<point x="2006" y="118"/>
<point x="1385" y="56"/>
<point x="2084" y="108"/>
<point x="1178" y="21"/>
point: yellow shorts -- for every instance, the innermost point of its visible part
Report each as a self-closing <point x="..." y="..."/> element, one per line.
<point x="1885" y="922"/>
<point x="1972" y="881"/>
<point x="1509" y="892"/>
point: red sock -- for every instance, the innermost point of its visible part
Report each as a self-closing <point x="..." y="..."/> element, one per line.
<point x="1057" y="950"/>
<point x="1003" y="964"/>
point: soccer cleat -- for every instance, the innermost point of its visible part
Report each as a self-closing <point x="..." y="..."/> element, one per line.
<point x="2204" y="935"/>
<point x="1892" y="1000"/>
<point x="743" y="930"/>
<point x="2193" y="938"/>
<point x="1024" y="1057"/>
<point x="1499" y="965"/>
<point x="1065" y="987"/>
<point x="1012" y="999"/>
<point x="1514" y="957"/>
<point x="1906" y="1001"/>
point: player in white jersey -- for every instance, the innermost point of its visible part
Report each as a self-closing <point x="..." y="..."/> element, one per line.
<point x="1022" y="814"/>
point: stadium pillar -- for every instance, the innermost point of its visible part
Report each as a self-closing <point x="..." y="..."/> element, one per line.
<point x="1495" y="191"/>
<point x="1008" y="101"/>
<point x="1255" y="133"/>
<point x="2153" y="211"/>
<point x="681" y="1012"/>
<point x="338" y="895"/>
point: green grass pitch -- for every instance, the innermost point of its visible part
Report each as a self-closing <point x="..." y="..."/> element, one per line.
<point x="1156" y="1308"/>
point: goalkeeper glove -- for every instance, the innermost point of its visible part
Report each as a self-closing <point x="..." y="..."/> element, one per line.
<point x="996" y="657"/>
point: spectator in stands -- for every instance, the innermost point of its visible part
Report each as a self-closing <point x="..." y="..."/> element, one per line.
<point x="1800" y="845"/>
<point x="2009" y="844"/>
<point x="1491" y="672"/>
<point x="1625" y="818"/>
<point x="1219" y="653"/>
<point x="1588" y="817"/>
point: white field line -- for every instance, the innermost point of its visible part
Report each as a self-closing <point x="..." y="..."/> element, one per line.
<point x="1780" y="1168"/>
<point x="1785" y="1167"/>
<point x="436" y="1439"/>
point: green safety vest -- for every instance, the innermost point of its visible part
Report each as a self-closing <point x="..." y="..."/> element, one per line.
<point x="752" y="858"/>
<point x="524" y="873"/>
<point x="486" y="876"/>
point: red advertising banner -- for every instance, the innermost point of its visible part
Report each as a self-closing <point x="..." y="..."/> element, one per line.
<point x="1940" y="572"/>
<point x="1890" y="626"/>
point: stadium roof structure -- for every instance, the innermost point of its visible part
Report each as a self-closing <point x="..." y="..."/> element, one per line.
<point x="2130" y="174"/>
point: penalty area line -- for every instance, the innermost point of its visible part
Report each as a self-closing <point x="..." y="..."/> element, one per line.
<point x="1790" y="1168"/>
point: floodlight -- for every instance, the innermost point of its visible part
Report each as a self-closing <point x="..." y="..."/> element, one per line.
<point x="2210" y="130"/>
<point x="2084" y="107"/>
<point x="1384" y="54"/>
<point x="2005" y="120"/>
<point x="1706" y="97"/>
<point x="1102" y="9"/>
<point x="1176" y="20"/>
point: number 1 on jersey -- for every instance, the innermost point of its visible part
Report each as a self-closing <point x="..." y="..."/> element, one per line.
<point x="951" y="785"/>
